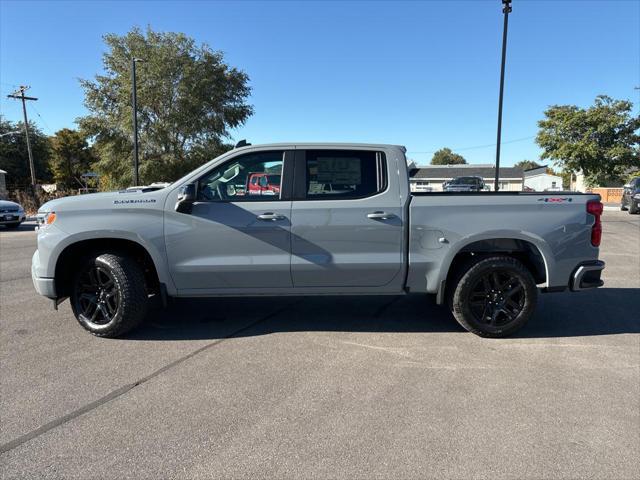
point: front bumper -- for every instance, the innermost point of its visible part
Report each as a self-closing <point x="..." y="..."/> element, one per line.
<point x="12" y="218"/>
<point x="44" y="286"/>
<point x="587" y="276"/>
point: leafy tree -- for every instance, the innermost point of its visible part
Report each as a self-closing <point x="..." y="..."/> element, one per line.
<point x="527" y="164"/>
<point x="602" y="141"/>
<point x="445" y="156"/>
<point x="70" y="157"/>
<point x="14" y="156"/>
<point x="188" y="99"/>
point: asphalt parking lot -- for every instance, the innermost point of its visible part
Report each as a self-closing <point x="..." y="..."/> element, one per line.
<point x="338" y="387"/>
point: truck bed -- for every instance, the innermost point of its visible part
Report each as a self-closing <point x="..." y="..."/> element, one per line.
<point x="553" y="224"/>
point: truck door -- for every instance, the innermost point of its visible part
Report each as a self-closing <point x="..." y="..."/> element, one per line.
<point x="346" y="220"/>
<point x="234" y="238"/>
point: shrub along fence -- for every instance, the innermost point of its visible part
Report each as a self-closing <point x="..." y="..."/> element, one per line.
<point x="31" y="201"/>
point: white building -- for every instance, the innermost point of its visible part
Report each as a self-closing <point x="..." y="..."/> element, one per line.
<point x="539" y="180"/>
<point x="430" y="178"/>
<point x="3" y="184"/>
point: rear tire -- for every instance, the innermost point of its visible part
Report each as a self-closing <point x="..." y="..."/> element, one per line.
<point x="494" y="297"/>
<point x="109" y="297"/>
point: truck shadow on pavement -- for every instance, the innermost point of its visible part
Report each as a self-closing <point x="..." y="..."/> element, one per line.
<point x="604" y="311"/>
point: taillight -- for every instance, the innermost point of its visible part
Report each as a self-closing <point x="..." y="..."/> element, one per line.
<point x="595" y="207"/>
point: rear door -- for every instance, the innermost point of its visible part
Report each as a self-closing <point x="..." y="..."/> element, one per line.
<point x="346" y="220"/>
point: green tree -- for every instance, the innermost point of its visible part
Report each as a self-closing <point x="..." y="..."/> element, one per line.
<point x="188" y="99"/>
<point x="445" y="156"/>
<point x="14" y="157"/>
<point x="70" y="157"/>
<point x="527" y="164"/>
<point x="602" y="141"/>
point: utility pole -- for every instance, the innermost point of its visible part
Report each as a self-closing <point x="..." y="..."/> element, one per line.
<point x="134" y="98"/>
<point x="19" y="95"/>
<point x="506" y="9"/>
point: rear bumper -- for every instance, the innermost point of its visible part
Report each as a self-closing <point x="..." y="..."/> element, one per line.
<point x="44" y="286"/>
<point x="587" y="276"/>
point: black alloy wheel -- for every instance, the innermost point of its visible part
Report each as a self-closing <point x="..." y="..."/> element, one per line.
<point x="497" y="298"/>
<point x="97" y="297"/>
<point x="493" y="296"/>
<point x="109" y="294"/>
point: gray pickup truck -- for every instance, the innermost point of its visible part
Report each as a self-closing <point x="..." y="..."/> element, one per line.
<point x="342" y="221"/>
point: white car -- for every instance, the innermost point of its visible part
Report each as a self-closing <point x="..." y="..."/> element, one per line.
<point x="11" y="214"/>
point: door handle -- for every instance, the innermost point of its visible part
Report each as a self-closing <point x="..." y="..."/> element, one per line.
<point x="380" y="215"/>
<point x="270" y="216"/>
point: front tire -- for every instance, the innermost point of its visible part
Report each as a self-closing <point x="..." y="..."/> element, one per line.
<point x="633" y="208"/>
<point x="495" y="297"/>
<point x="109" y="296"/>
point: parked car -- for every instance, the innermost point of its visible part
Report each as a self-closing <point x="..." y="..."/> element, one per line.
<point x="464" y="184"/>
<point x="486" y="257"/>
<point x="11" y="214"/>
<point x="631" y="196"/>
<point x="263" y="183"/>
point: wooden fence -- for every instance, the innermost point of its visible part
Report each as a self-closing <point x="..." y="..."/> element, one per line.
<point x="609" y="195"/>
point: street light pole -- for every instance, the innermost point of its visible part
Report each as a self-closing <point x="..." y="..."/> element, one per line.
<point x="506" y="9"/>
<point x="136" y="179"/>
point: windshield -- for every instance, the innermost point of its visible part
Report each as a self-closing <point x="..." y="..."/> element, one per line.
<point x="465" y="181"/>
<point x="273" y="179"/>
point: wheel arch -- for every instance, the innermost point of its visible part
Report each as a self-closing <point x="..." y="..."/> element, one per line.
<point x="74" y="252"/>
<point x="531" y="250"/>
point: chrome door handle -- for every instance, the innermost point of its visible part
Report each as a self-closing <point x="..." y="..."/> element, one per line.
<point x="380" y="215"/>
<point x="270" y="216"/>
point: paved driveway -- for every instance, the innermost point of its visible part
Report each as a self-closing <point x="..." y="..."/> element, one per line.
<point x="324" y="387"/>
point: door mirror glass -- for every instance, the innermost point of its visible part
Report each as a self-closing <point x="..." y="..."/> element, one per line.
<point x="186" y="197"/>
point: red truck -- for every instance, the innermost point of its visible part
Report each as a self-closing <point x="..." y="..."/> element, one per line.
<point x="263" y="184"/>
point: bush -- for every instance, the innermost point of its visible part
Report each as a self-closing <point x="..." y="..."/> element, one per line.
<point x="31" y="202"/>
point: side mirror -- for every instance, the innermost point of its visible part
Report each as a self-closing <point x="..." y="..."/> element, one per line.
<point x="186" y="197"/>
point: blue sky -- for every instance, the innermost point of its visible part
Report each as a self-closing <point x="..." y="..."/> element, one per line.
<point x="421" y="74"/>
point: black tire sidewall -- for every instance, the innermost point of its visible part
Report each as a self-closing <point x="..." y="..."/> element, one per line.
<point x="461" y="307"/>
<point x="132" y="300"/>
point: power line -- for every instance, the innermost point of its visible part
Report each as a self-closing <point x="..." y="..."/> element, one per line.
<point x="481" y="146"/>
<point x="43" y="120"/>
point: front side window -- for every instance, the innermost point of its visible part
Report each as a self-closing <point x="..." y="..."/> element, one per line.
<point x="343" y="174"/>
<point x="252" y="177"/>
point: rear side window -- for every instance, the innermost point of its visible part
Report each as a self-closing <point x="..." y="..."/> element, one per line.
<point x="344" y="174"/>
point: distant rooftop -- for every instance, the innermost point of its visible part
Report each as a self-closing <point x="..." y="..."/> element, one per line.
<point x="445" y="172"/>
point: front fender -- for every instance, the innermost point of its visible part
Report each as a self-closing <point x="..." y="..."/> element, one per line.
<point x="52" y="242"/>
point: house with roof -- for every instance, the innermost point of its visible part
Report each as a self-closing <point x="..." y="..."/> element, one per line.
<point x="540" y="180"/>
<point x="430" y="178"/>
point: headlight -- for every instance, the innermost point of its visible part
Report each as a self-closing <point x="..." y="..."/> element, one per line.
<point x="45" y="218"/>
<point x="637" y="196"/>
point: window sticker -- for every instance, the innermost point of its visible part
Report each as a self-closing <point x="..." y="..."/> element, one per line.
<point x="339" y="170"/>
